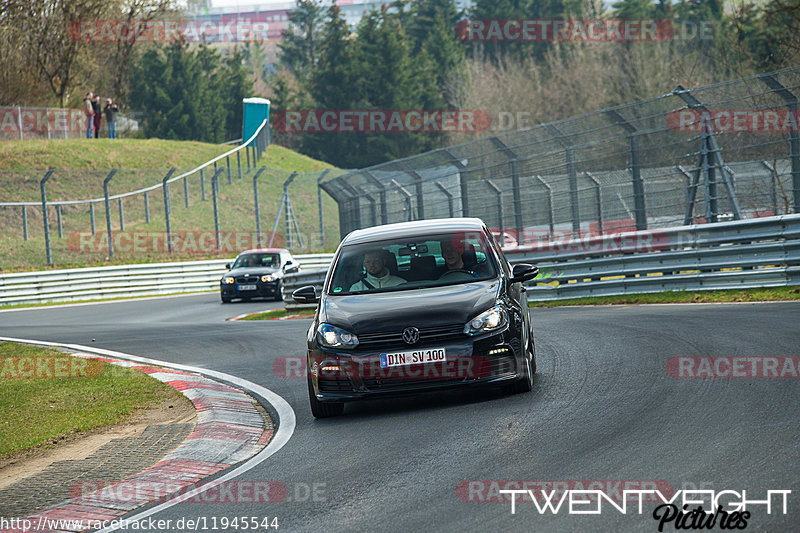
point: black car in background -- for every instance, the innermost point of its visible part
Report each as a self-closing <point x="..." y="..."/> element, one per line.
<point x="414" y="307"/>
<point x="257" y="273"/>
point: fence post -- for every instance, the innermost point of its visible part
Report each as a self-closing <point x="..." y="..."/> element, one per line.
<point x="599" y="200"/>
<point x="121" y="215"/>
<point x="19" y="121"/>
<point x="185" y="192"/>
<point x="247" y="155"/>
<point x="515" y="187"/>
<point x="773" y="190"/>
<point x="202" y="185"/>
<point x="449" y="195"/>
<point x="25" y="222"/>
<point x="319" y="206"/>
<point x="499" y="194"/>
<point x="108" y="212"/>
<point x="407" y="196"/>
<point x="794" y="136"/>
<point x="255" y="201"/>
<point x="228" y="164"/>
<point x="239" y="162"/>
<point x="381" y="195"/>
<point x="462" y="180"/>
<point x="572" y="174"/>
<point x="43" y="190"/>
<point x="165" y="187"/>
<point x="550" y="215"/>
<point x="214" y="191"/>
<point x="146" y="208"/>
<point x="639" y="207"/>
<point x="289" y="214"/>
<point x="91" y="217"/>
<point x="418" y="186"/>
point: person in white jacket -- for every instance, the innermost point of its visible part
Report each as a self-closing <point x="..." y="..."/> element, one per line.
<point x="377" y="275"/>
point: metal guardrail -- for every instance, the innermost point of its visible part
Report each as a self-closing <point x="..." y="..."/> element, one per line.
<point x="123" y="281"/>
<point x="761" y="252"/>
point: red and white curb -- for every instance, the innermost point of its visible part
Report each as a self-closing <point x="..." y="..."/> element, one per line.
<point x="229" y="430"/>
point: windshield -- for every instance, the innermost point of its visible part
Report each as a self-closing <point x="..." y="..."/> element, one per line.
<point x="258" y="260"/>
<point x="412" y="263"/>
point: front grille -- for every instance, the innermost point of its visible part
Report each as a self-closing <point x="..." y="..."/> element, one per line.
<point x="427" y="336"/>
<point x="243" y="279"/>
<point x="403" y="383"/>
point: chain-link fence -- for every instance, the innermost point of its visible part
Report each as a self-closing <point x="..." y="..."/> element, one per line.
<point x="723" y="151"/>
<point x="219" y="208"/>
<point x="28" y="123"/>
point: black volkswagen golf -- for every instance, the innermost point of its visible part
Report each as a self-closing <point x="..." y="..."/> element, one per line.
<point x="414" y="307"/>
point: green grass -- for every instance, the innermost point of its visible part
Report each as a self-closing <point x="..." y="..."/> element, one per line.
<point x="720" y="296"/>
<point x="41" y="411"/>
<point x="278" y="313"/>
<point x="139" y="158"/>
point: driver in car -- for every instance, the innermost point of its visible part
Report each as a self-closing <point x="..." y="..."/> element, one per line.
<point x="377" y="274"/>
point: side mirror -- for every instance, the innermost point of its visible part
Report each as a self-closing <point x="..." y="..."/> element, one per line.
<point x="305" y="295"/>
<point x="290" y="266"/>
<point x="227" y="266"/>
<point x="523" y="272"/>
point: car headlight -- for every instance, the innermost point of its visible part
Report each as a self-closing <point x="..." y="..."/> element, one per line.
<point x="267" y="278"/>
<point x="334" y="337"/>
<point x="227" y="280"/>
<point x="490" y="320"/>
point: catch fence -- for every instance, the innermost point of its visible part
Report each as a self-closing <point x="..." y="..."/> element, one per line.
<point x="727" y="151"/>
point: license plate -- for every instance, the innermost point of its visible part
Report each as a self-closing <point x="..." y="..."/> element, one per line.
<point x="247" y="287"/>
<point x="413" y="357"/>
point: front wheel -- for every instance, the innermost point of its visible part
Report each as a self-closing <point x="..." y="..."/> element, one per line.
<point x="323" y="409"/>
<point x="278" y="293"/>
<point x="225" y="299"/>
<point x="526" y="383"/>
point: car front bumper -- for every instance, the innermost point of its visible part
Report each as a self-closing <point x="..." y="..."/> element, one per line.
<point x="339" y="375"/>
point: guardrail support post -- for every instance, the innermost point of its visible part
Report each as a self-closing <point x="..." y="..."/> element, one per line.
<point x="121" y="215"/>
<point x="43" y="190"/>
<point x="108" y="212"/>
<point x="319" y="206"/>
<point x="91" y="217"/>
<point x="25" y="222"/>
<point x="255" y="201"/>
<point x="794" y="136"/>
<point x="165" y="187"/>
<point x="214" y="191"/>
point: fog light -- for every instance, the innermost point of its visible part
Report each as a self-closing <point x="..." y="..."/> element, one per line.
<point x="498" y="351"/>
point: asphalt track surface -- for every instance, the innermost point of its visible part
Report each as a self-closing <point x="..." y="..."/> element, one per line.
<point x="603" y="407"/>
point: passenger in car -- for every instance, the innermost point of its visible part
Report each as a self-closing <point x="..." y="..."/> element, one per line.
<point x="377" y="274"/>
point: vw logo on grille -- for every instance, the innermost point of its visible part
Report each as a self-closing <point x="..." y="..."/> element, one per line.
<point x="411" y="335"/>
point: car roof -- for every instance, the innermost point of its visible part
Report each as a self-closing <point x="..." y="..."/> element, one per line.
<point x="265" y="251"/>
<point x="411" y="229"/>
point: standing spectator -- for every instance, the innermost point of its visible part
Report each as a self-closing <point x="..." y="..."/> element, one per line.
<point x="111" y="111"/>
<point x="98" y="116"/>
<point x="88" y="110"/>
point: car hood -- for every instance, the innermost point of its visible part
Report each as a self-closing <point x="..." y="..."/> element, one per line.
<point x="257" y="271"/>
<point x="429" y="307"/>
